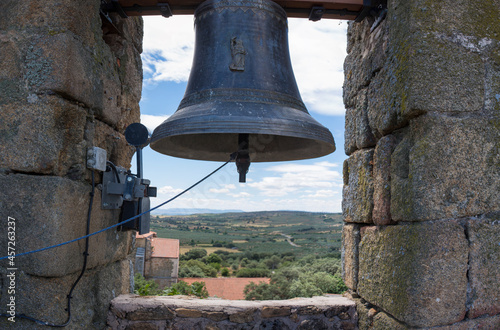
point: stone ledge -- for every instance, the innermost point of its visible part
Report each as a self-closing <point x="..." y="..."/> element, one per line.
<point x="326" y="312"/>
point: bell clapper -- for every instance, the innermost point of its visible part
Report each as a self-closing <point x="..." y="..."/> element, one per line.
<point x="243" y="156"/>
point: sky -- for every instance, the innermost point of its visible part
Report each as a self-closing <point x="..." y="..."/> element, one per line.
<point x="317" y="51"/>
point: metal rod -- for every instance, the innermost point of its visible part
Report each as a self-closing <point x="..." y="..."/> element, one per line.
<point x="243" y="157"/>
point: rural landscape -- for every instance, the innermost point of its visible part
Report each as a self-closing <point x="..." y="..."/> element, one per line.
<point x="299" y="251"/>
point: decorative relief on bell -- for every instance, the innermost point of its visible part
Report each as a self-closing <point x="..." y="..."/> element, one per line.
<point x="237" y="54"/>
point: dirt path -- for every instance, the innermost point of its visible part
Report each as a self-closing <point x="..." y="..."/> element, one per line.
<point x="289" y="239"/>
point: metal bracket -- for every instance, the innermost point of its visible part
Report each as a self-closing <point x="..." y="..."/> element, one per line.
<point x="122" y="190"/>
<point x="371" y="7"/>
<point x="129" y="188"/>
<point x="114" y="6"/>
<point x="163" y="8"/>
<point x="316" y="13"/>
<point x="108" y="6"/>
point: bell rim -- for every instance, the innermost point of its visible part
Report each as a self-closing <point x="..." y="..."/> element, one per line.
<point x="316" y="149"/>
<point x="277" y="119"/>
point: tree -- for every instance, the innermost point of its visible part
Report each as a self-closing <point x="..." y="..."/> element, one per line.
<point x="196" y="268"/>
<point x="273" y="262"/>
<point x="263" y="291"/>
<point x="224" y="272"/>
<point x="252" y="272"/>
<point x="304" y="289"/>
<point x="327" y="265"/>
<point x="194" y="254"/>
<point x="295" y="281"/>
<point x="214" y="258"/>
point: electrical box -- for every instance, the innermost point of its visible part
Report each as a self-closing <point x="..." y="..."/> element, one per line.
<point x="96" y="159"/>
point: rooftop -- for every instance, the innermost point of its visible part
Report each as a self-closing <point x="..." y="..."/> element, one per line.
<point x="227" y="287"/>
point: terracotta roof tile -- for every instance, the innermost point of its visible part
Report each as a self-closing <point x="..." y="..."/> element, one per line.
<point x="226" y="287"/>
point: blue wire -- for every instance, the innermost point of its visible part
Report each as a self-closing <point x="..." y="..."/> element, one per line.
<point x="120" y="223"/>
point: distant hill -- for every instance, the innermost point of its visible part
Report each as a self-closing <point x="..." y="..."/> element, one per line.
<point x="178" y="211"/>
<point x="253" y="232"/>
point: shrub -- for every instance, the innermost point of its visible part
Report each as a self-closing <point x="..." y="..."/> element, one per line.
<point x="214" y="258"/>
<point x="145" y="287"/>
<point x="194" y="254"/>
<point x="197" y="289"/>
<point x="252" y="272"/>
<point x="303" y="289"/>
<point x="330" y="266"/>
<point x="196" y="268"/>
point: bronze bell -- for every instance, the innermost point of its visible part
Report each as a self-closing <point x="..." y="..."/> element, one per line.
<point x="241" y="95"/>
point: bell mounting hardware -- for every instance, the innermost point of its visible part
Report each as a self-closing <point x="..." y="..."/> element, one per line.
<point x="130" y="192"/>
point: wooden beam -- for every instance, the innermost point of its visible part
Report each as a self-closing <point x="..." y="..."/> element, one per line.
<point x="334" y="9"/>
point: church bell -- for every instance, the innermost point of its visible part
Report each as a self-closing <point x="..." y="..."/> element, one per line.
<point x="241" y="98"/>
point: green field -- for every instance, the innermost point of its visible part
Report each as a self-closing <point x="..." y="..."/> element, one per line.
<point x="259" y="232"/>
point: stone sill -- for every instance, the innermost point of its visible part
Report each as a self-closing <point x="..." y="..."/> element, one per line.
<point x="181" y="312"/>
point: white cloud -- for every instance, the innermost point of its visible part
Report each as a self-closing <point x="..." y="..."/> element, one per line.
<point x="327" y="164"/>
<point x="168" y="48"/>
<point x="292" y="178"/>
<point x="151" y="121"/>
<point x="168" y="190"/>
<point x="241" y="194"/>
<point x="317" y="51"/>
<point x="224" y="189"/>
<point x="322" y="193"/>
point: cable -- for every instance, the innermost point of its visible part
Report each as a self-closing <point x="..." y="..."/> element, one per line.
<point x="113" y="167"/>
<point x="125" y="221"/>
<point x="84" y="267"/>
<point x="87" y="236"/>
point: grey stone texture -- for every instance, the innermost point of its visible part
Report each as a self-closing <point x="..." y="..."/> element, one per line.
<point x="423" y="90"/>
<point x="181" y="312"/>
<point x="358" y="134"/>
<point x="484" y="270"/>
<point x="479" y="323"/>
<point x="415" y="63"/>
<point x="45" y="137"/>
<point x="357" y="202"/>
<point x="415" y="272"/>
<point x="44" y="207"/>
<point x="370" y="317"/>
<point x="61" y="50"/>
<point x="446" y="167"/>
<point x="44" y="298"/>
<point x="382" y="179"/>
<point x="349" y="254"/>
<point x="67" y="82"/>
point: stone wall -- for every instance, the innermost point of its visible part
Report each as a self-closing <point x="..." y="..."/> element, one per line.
<point x="421" y="244"/>
<point x="180" y="312"/>
<point x="67" y="82"/>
